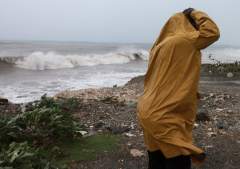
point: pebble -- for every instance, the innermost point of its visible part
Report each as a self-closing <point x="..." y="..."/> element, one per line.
<point x="195" y="125"/>
<point x="211" y="94"/>
<point x="210" y="146"/>
<point x="218" y="110"/>
<point x="212" y="134"/>
<point x="229" y="75"/>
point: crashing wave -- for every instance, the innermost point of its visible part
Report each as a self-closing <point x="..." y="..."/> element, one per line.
<point x="51" y="60"/>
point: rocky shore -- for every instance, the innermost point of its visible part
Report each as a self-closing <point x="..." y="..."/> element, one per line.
<point x="216" y="130"/>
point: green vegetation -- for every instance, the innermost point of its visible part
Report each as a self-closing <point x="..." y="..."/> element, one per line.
<point x="225" y="67"/>
<point x="20" y="156"/>
<point x="86" y="149"/>
<point x="48" y="137"/>
<point x="71" y="104"/>
<point x="45" y="126"/>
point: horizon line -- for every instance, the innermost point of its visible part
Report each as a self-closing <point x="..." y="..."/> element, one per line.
<point x="90" y="42"/>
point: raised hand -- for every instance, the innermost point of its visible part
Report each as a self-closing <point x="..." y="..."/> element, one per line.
<point x="188" y="12"/>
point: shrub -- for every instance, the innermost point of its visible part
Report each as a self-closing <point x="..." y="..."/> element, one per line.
<point x="70" y="104"/>
<point x="225" y="67"/>
<point x="51" y="123"/>
<point x="20" y="155"/>
<point x="8" y="130"/>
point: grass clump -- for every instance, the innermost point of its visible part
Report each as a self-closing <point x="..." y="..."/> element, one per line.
<point x="225" y="67"/>
<point x="86" y="149"/>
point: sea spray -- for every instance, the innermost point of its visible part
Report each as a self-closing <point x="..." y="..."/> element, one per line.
<point x="52" y="60"/>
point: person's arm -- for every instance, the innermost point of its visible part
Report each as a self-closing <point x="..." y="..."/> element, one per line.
<point x="208" y="31"/>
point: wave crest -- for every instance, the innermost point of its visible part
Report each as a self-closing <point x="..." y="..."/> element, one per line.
<point x="52" y="60"/>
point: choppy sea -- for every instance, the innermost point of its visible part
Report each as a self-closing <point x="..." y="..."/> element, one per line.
<point x="30" y="69"/>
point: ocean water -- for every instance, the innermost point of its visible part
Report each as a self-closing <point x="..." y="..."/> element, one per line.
<point x="31" y="69"/>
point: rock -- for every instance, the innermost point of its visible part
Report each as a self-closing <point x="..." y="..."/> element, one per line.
<point x="3" y="100"/>
<point x="23" y="105"/>
<point x="202" y="115"/>
<point x="23" y="110"/>
<point x="211" y="95"/>
<point x="119" y="130"/>
<point x="229" y="111"/>
<point x="195" y="125"/>
<point x="218" y="110"/>
<point x="238" y="142"/>
<point x="212" y="134"/>
<point x="98" y="125"/>
<point x="209" y="146"/>
<point x="130" y="135"/>
<point x="229" y="75"/>
<point x="136" y="153"/>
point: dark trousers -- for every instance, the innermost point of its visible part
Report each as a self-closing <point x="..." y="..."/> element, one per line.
<point x="158" y="161"/>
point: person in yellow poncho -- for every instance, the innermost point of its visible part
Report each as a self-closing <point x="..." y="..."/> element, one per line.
<point x="168" y="105"/>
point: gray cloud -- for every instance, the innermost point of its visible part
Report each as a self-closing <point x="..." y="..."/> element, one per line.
<point x="125" y="21"/>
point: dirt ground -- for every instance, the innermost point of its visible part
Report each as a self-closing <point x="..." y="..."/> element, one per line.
<point x="221" y="97"/>
<point x="220" y="103"/>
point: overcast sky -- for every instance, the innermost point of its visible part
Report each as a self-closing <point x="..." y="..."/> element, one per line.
<point x="123" y="21"/>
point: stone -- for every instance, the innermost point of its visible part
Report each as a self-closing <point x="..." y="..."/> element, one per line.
<point x="119" y="130"/>
<point x="212" y="134"/>
<point x="130" y="135"/>
<point x="211" y="94"/>
<point x="3" y="100"/>
<point x="195" y="125"/>
<point x="210" y="146"/>
<point x="98" y="125"/>
<point x="202" y="115"/>
<point x="229" y="75"/>
<point x="23" y="110"/>
<point x="23" y="105"/>
<point x="136" y="153"/>
<point x="218" y="110"/>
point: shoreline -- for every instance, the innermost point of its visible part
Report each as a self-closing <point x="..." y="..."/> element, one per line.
<point x="220" y="103"/>
<point x="131" y="92"/>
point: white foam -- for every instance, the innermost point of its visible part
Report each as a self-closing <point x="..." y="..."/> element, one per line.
<point x="52" y="60"/>
<point x="29" y="90"/>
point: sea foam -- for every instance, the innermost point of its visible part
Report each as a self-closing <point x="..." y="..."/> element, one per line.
<point x="52" y="60"/>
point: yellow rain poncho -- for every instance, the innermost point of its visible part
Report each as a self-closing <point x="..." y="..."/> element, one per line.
<point x="168" y="105"/>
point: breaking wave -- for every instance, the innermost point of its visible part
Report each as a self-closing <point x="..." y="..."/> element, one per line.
<point x="52" y="60"/>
